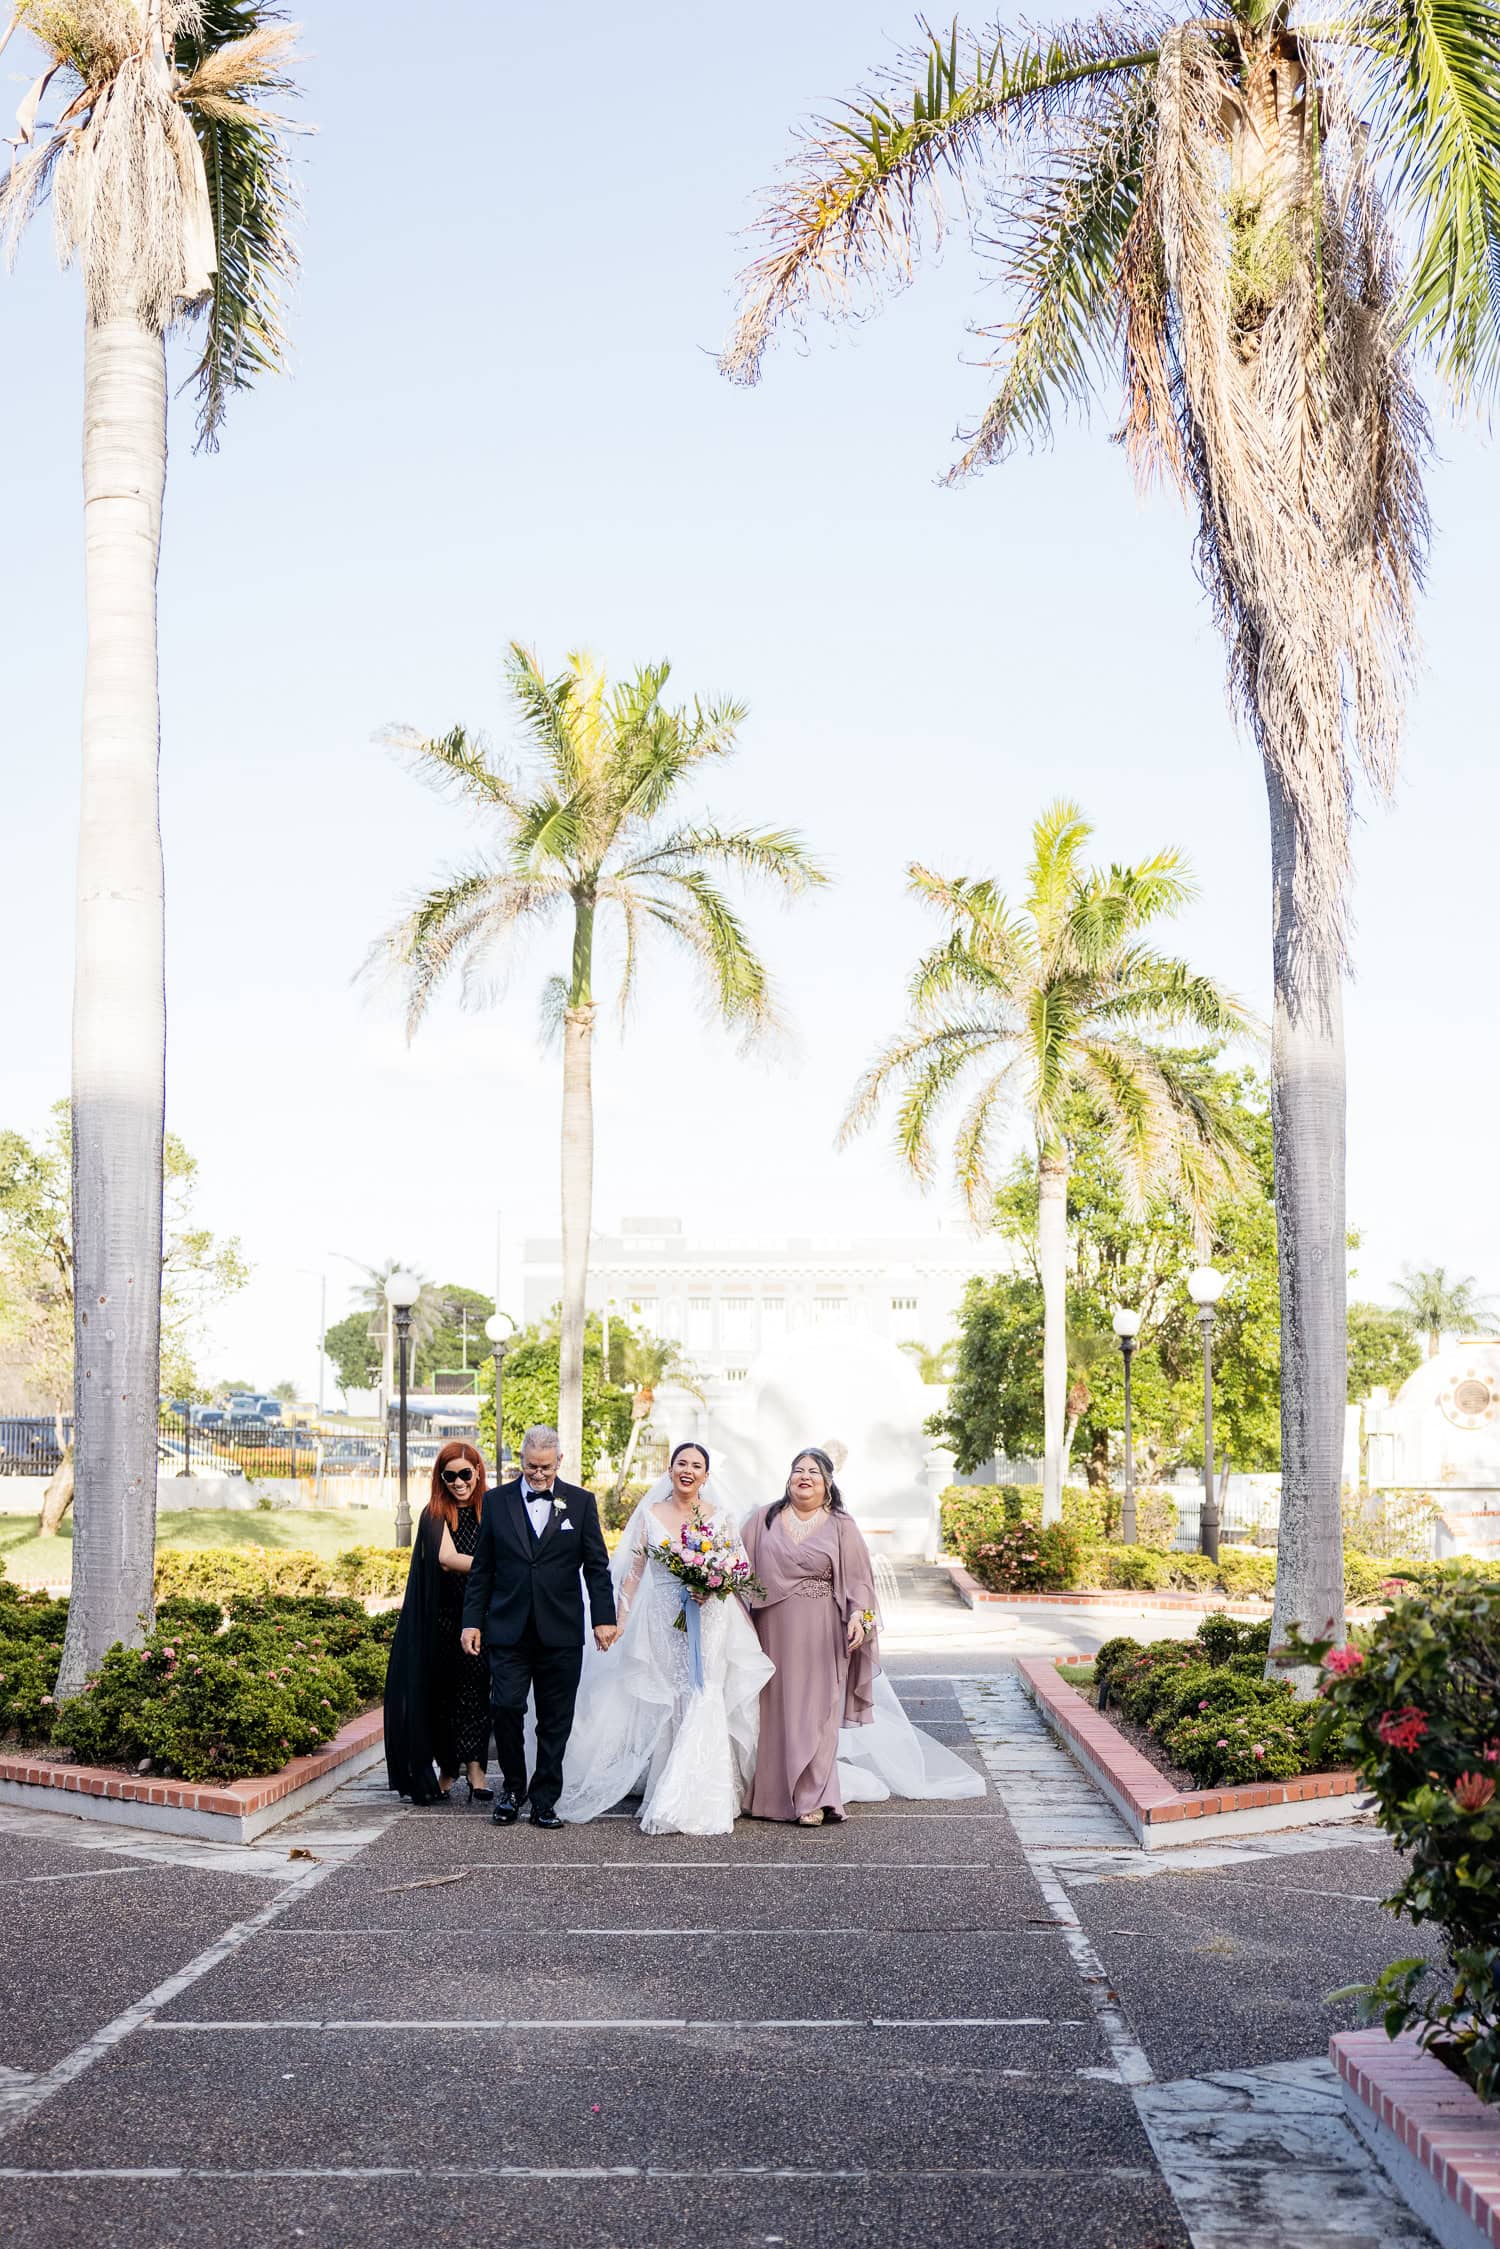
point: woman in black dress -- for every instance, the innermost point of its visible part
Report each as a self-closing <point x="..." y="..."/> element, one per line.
<point x="437" y="1699"/>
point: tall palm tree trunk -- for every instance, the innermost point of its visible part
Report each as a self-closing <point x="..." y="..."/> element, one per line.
<point x="1052" y="1256"/>
<point x="577" y="1184"/>
<point x="1307" y="1124"/>
<point x="119" y="1005"/>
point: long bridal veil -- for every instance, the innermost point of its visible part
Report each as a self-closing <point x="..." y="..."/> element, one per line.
<point x="892" y="1757"/>
<point x="632" y="1716"/>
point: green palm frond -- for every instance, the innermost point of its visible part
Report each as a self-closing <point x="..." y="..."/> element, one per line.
<point x="548" y="710"/>
<point x="857" y="192"/>
<point x="702" y="917"/>
<point x="234" y="60"/>
<point x="548" y="829"/>
<point x="777" y="854"/>
<point x="932" y="1056"/>
<point x="971" y="1142"/>
<point x="457" y="759"/>
<point x="1060" y="245"/>
<point x="1152" y="991"/>
<point x="1056" y="840"/>
<point x="1436" y="104"/>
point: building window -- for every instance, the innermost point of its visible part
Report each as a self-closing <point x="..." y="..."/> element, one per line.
<point x="700" y="1334"/>
<point x="903" y="1304"/>
<point x="739" y="1322"/>
<point x="830" y="1311"/>
<point x="734" y="1374"/>
<point x="773" y="1314"/>
<point x="643" y="1313"/>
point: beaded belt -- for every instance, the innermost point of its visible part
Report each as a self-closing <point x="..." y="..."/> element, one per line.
<point x="814" y="1588"/>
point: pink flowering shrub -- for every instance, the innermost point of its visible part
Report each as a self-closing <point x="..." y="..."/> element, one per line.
<point x="1420" y="1717"/>
<point x="1026" y="1559"/>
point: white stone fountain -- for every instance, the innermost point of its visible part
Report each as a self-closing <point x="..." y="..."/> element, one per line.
<point x="852" y="1394"/>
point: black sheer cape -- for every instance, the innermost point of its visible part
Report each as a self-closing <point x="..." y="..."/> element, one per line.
<point x="414" y="1701"/>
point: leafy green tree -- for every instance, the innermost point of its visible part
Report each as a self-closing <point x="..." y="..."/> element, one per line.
<point x="1206" y="206"/>
<point x="171" y="192"/>
<point x="587" y="831"/>
<point x="198" y="1271"/>
<point x="1382" y="1350"/>
<point x="1062" y="1002"/>
<point x="1116" y="1257"/>
<point x="458" y="1339"/>
<point x="353" y="1352"/>
<point x="532" y="1389"/>
<point x="1436" y="1304"/>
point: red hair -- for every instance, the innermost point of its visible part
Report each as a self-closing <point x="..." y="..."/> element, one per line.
<point x="443" y="1507"/>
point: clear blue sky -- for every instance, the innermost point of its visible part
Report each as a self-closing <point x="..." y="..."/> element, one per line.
<point x="504" y="419"/>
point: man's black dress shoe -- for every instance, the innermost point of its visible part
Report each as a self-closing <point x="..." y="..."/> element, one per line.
<point x="507" y="1811"/>
<point x="542" y="1815"/>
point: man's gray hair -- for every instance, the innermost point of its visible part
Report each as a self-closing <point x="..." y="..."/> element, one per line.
<point x="538" y="1437"/>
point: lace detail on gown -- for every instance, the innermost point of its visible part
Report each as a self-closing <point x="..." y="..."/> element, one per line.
<point x="641" y="1724"/>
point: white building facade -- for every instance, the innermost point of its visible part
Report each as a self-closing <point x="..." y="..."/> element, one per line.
<point x="727" y="1301"/>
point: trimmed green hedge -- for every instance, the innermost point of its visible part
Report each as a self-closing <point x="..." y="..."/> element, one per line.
<point x="210" y="1695"/>
<point x="1208" y="1703"/>
<point x="229" y="1573"/>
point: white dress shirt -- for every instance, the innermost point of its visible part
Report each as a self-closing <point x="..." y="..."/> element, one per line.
<point x="538" y="1506"/>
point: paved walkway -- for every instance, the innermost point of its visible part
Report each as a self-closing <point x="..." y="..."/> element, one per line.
<point x="988" y="2022"/>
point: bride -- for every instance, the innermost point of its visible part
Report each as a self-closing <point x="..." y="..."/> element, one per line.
<point x="643" y="1723"/>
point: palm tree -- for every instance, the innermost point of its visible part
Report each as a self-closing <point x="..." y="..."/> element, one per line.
<point x="1207" y="206"/>
<point x="426" y="1318"/>
<point x="1436" y="1306"/>
<point x="581" y="833"/>
<point x="169" y="184"/>
<point x="1061" y="1000"/>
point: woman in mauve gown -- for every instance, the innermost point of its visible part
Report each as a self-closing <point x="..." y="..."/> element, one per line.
<point x="816" y="1621"/>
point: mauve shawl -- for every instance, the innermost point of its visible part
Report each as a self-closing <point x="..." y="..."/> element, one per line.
<point x="780" y="1562"/>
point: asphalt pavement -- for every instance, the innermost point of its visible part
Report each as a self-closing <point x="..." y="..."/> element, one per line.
<point x="433" y="2031"/>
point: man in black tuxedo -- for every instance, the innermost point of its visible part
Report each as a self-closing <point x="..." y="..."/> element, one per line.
<point x="537" y="1538"/>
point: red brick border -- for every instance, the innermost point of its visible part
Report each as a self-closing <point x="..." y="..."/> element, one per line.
<point x="973" y="1594"/>
<point x="1145" y="1798"/>
<point x="1434" y="2116"/>
<point x="235" y="1800"/>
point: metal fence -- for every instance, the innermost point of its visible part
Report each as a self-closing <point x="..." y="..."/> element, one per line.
<point x="259" y="1450"/>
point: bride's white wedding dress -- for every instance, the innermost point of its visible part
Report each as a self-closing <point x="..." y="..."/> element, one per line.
<point x="642" y="1725"/>
<point x="643" y="1728"/>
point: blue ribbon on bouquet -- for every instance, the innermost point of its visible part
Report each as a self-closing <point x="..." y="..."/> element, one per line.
<point x="692" y="1625"/>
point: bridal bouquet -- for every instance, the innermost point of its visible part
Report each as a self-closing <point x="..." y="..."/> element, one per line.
<point x="705" y="1562"/>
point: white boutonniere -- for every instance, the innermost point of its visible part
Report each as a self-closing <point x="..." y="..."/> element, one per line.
<point x="560" y="1504"/>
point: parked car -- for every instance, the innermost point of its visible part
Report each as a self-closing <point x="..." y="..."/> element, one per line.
<point x="175" y="1458"/>
<point x="28" y="1445"/>
<point x="350" y="1456"/>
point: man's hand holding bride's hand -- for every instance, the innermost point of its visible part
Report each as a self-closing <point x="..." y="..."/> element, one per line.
<point x="605" y="1636"/>
<point x="468" y="1640"/>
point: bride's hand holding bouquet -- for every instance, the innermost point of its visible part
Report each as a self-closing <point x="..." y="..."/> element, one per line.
<point x="709" y="1566"/>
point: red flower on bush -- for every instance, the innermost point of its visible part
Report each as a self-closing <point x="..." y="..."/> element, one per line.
<point x="1340" y="1660"/>
<point x="1401" y="1729"/>
<point x="1472" y="1791"/>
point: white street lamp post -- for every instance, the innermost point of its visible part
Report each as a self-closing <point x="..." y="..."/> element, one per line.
<point x="1205" y="1287"/>
<point x="401" y="1293"/>
<point x="1127" y="1327"/>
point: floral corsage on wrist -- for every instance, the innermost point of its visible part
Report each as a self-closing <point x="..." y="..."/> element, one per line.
<point x="867" y="1619"/>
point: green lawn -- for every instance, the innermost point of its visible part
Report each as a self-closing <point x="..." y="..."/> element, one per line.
<point x="1079" y="1675"/>
<point x="322" y="1530"/>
